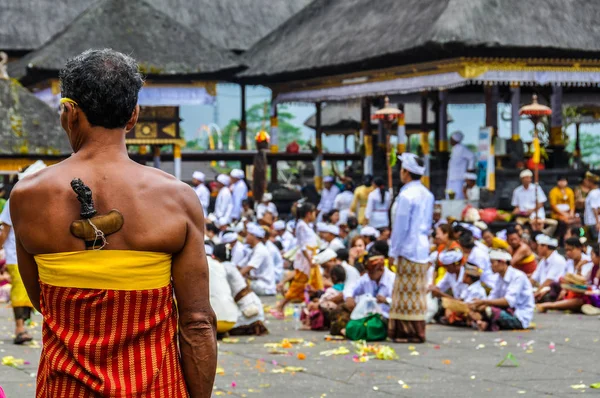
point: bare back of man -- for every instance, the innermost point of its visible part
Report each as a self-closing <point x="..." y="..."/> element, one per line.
<point x="161" y="214"/>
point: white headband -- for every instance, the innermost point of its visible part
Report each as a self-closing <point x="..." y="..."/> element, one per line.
<point x="500" y="255"/>
<point x="409" y="163"/>
<point x="198" y="175"/>
<point x="223" y="179"/>
<point x="256" y="230"/>
<point x="450" y="257"/>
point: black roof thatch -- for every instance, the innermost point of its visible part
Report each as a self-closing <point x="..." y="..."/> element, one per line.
<point x="28" y="125"/>
<point x="25" y="25"/>
<point x="331" y="37"/>
<point x="344" y="118"/>
<point x="163" y="47"/>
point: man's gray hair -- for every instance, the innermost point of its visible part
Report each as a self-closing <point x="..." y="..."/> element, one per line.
<point x="105" y="84"/>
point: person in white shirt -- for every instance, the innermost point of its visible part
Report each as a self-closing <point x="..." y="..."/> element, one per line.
<point x="510" y="304"/>
<point x="237" y="249"/>
<point x="18" y="295"/>
<point x="288" y="240"/>
<point x="410" y="250"/>
<point x="461" y="160"/>
<point x="578" y="262"/>
<point x="278" y="265"/>
<point x="471" y="190"/>
<point x="370" y="235"/>
<point x="202" y="191"/>
<point x="378" y="282"/>
<point x="378" y="206"/>
<point x="452" y="281"/>
<point x="239" y="192"/>
<point x="329" y="235"/>
<point x="352" y="274"/>
<point x="471" y="278"/>
<point x="551" y="267"/>
<point x="591" y="215"/>
<point x="328" y="195"/>
<point x="266" y="210"/>
<point x="260" y="269"/>
<point x="278" y="229"/>
<point x="478" y="256"/>
<point x="528" y="201"/>
<point x="342" y="203"/>
<point x="221" y="297"/>
<point x="224" y="203"/>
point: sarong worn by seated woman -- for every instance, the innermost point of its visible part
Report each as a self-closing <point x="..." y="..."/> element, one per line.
<point x="103" y="312"/>
<point x="527" y="265"/>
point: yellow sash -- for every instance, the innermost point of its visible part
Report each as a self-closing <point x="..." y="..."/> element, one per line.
<point x="105" y="269"/>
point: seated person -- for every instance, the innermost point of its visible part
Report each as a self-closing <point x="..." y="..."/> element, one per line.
<point x="475" y="254"/>
<point x="247" y="211"/>
<point x="316" y="315"/>
<point x="523" y="257"/>
<point x="250" y="314"/>
<point x="494" y="242"/>
<point x="471" y="278"/>
<point x="572" y="301"/>
<point x="510" y="304"/>
<point x="377" y="282"/>
<point x="526" y="208"/>
<point x="260" y="269"/>
<point x="470" y="189"/>
<point x="221" y="296"/>
<point x="352" y="274"/>
<point x="578" y="262"/>
<point x="550" y="269"/>
<point x="451" y="285"/>
<point x="369" y="235"/>
<point x="562" y="201"/>
<point x="330" y="235"/>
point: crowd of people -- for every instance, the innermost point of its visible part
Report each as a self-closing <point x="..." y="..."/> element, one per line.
<point x="359" y="253"/>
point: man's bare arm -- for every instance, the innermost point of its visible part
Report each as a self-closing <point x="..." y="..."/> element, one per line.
<point x="518" y="255"/>
<point x="29" y="274"/>
<point x="197" y="321"/>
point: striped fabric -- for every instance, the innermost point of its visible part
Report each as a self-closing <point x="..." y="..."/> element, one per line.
<point x="110" y="343"/>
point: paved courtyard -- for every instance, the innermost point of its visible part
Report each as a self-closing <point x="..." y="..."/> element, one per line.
<point x="559" y="358"/>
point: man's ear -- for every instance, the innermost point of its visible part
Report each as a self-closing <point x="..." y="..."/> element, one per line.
<point x="72" y="115"/>
<point x="134" y="118"/>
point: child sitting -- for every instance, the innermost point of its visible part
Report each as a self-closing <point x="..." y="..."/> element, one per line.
<point x="316" y="314"/>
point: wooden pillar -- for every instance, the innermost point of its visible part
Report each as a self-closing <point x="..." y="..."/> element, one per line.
<point x="243" y="125"/>
<point x="319" y="143"/>
<point x="556" y="136"/>
<point x="442" y="144"/>
<point x="425" y="139"/>
<point x="177" y="161"/>
<point x="491" y="108"/>
<point x="156" y="156"/>
<point x="367" y="135"/>
<point x="401" y="131"/>
<point x="274" y="138"/>
<point x="515" y="103"/>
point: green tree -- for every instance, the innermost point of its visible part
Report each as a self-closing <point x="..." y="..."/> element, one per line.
<point x="257" y="118"/>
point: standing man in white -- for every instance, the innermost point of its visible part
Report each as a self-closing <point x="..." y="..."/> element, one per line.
<point x="198" y="179"/>
<point x="410" y="250"/>
<point x="328" y="194"/>
<point x="461" y="160"/>
<point x="239" y="192"/>
<point x="224" y="204"/>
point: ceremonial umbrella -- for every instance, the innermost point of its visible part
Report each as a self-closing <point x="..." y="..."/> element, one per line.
<point x="535" y="112"/>
<point x="389" y="115"/>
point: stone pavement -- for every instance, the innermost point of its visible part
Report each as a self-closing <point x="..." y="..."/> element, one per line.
<point x="454" y="362"/>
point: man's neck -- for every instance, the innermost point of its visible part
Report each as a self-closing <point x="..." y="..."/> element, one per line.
<point x="526" y="186"/>
<point x="503" y="272"/>
<point x="101" y="143"/>
<point x="549" y="254"/>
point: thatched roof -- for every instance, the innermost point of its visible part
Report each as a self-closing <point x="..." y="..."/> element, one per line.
<point x="231" y="24"/>
<point x="331" y="37"/>
<point x="163" y="47"/>
<point x="27" y="24"/>
<point x="344" y="118"/>
<point x="28" y="125"/>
